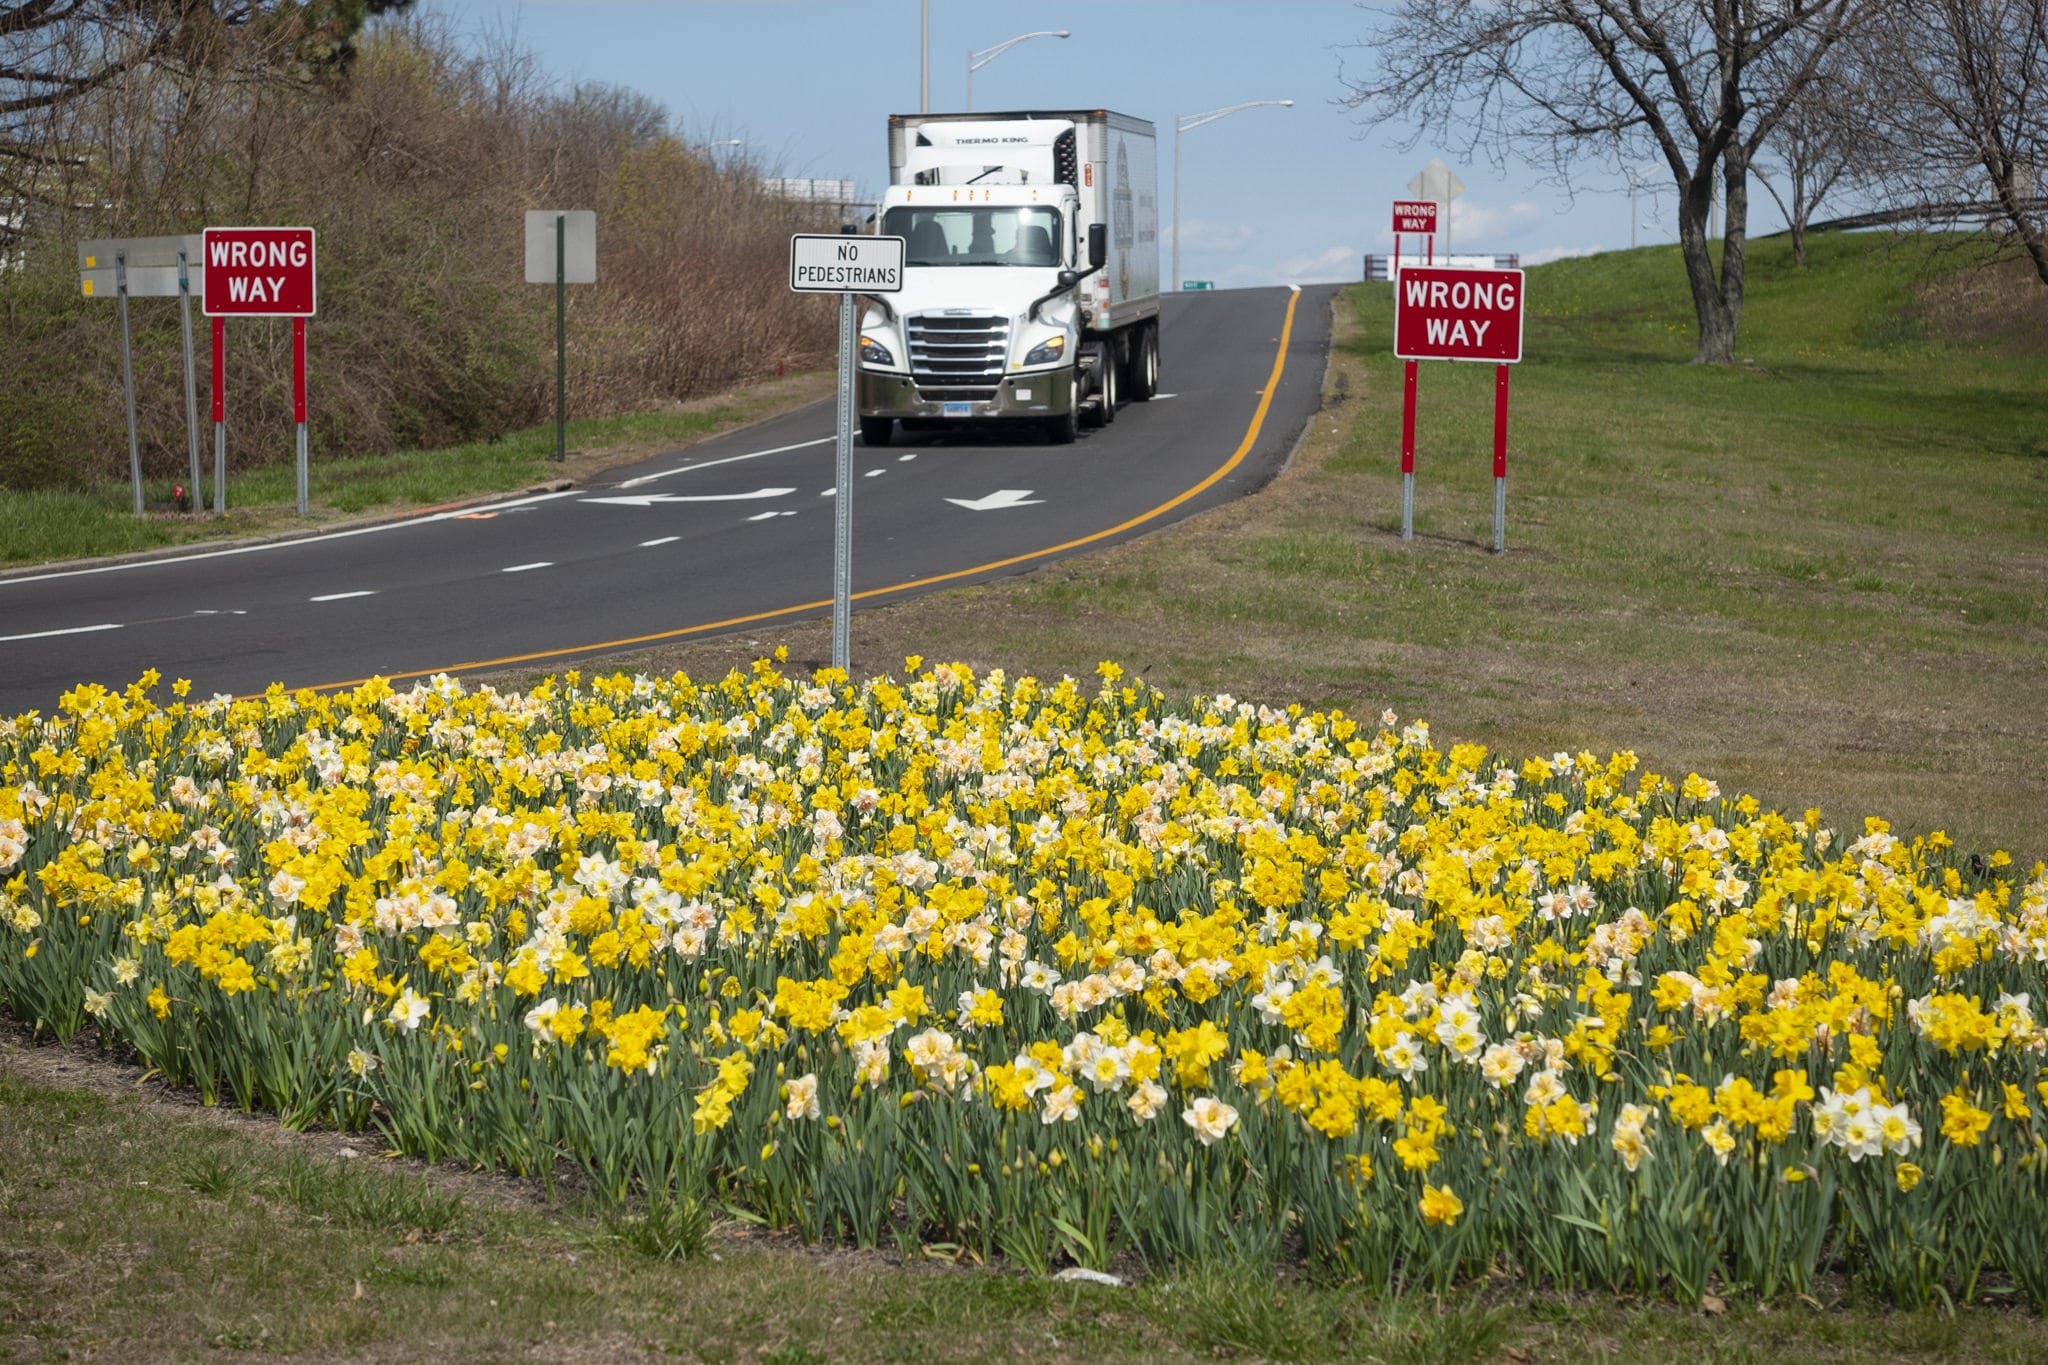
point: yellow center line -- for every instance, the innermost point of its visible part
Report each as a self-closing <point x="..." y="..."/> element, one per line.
<point x="1221" y="471"/>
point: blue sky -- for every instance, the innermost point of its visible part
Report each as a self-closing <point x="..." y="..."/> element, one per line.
<point x="1271" y="196"/>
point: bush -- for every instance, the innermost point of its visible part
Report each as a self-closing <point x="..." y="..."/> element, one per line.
<point x="416" y="170"/>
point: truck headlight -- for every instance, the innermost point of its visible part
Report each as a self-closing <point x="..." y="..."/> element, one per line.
<point x="1048" y="352"/>
<point x="874" y="352"/>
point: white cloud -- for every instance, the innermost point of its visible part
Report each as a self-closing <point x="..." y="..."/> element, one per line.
<point x="1545" y="255"/>
<point x="1220" y="239"/>
<point x="1339" y="264"/>
<point x="1476" y="226"/>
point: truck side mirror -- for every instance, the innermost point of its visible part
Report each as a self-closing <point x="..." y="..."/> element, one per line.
<point x="1098" y="245"/>
<point x="1069" y="278"/>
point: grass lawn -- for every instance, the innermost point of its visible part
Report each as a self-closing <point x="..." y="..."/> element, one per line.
<point x="1820" y="576"/>
<point x="41" y="527"/>
<point x="141" y="1227"/>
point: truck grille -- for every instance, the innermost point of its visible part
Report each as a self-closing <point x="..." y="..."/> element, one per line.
<point x="949" y="352"/>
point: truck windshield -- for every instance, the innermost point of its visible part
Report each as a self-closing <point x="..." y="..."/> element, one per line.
<point x="980" y="235"/>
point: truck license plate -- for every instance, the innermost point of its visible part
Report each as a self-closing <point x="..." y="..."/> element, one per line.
<point x="959" y="409"/>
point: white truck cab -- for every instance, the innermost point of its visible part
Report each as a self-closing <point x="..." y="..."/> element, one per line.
<point x="1031" y="278"/>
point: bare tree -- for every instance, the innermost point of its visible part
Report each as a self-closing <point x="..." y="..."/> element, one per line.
<point x="58" y="56"/>
<point x="1582" y="78"/>
<point x="1959" y="109"/>
<point x="1821" y="143"/>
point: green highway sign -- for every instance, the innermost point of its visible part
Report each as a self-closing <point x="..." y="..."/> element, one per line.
<point x="1198" y="284"/>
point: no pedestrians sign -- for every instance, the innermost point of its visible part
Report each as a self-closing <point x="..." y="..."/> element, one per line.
<point x="845" y="264"/>
<point x="1453" y="314"/>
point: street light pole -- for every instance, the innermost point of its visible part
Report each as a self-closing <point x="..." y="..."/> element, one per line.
<point x="977" y="60"/>
<point x="1636" y="179"/>
<point x="1187" y="123"/>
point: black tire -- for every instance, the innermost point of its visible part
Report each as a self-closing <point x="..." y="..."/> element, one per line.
<point x="1145" y="365"/>
<point x="1061" y="430"/>
<point x="1105" y="406"/>
<point x="877" y="431"/>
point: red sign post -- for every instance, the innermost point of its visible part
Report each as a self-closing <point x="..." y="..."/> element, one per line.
<point x="220" y="415"/>
<point x="1473" y="315"/>
<point x="1414" y="215"/>
<point x="261" y="272"/>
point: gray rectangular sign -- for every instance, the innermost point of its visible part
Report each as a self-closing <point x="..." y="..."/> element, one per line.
<point x="152" y="266"/>
<point x="579" y="246"/>
<point x="845" y="264"/>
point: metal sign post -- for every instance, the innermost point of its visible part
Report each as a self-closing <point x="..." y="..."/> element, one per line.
<point x="128" y="377"/>
<point x="844" y="265"/>
<point x="125" y="268"/>
<point x="1439" y="184"/>
<point x="842" y="511"/>
<point x="561" y="338"/>
<point x="561" y="249"/>
<point x="191" y="381"/>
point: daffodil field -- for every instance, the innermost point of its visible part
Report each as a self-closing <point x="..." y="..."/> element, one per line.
<point x="1058" y="972"/>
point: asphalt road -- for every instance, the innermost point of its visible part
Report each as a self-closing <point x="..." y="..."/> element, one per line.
<point x="733" y="532"/>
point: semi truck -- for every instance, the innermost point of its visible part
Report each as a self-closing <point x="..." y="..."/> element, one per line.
<point x="1031" y="274"/>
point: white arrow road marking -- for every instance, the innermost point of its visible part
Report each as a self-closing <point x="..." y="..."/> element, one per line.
<point x="730" y="459"/>
<point x="522" y="568"/>
<point x="649" y="499"/>
<point x="340" y="596"/>
<point x="74" y="630"/>
<point x="1002" y="497"/>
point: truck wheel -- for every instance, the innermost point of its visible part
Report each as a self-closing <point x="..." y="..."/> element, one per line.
<point x="1145" y="366"/>
<point x="1105" y="411"/>
<point x="1061" y="430"/>
<point x="877" y="431"/>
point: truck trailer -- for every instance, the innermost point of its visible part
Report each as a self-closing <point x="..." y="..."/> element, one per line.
<point x="1031" y="273"/>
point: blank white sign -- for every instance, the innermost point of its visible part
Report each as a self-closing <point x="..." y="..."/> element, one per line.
<point x="579" y="246"/>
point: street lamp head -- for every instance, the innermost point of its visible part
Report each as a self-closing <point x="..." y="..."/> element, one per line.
<point x="977" y="60"/>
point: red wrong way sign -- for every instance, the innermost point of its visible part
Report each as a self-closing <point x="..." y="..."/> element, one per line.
<point x="1451" y="314"/>
<point x="260" y="272"/>
<point x="1415" y="215"/>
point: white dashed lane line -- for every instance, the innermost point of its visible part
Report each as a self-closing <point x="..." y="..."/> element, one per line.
<point x="72" y="630"/>
<point x="343" y="596"/>
<point x="522" y="568"/>
<point x="663" y="540"/>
